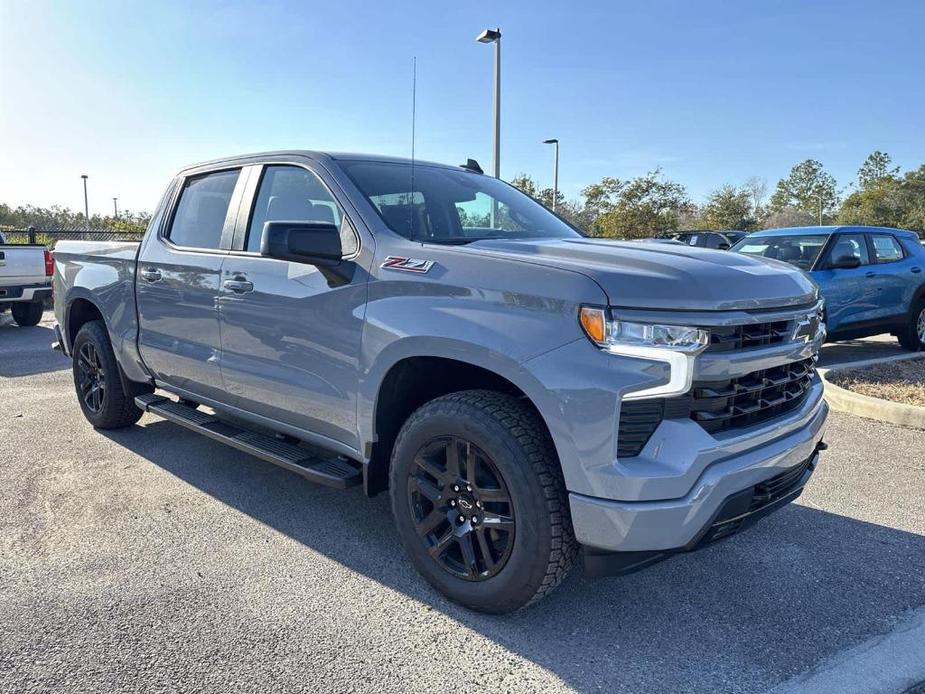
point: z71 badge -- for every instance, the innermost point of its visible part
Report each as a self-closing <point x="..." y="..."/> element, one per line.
<point x="397" y="262"/>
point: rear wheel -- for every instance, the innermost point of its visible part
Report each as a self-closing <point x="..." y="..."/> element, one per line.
<point x="479" y="501"/>
<point x="97" y="381"/>
<point x="913" y="336"/>
<point x="27" y="314"/>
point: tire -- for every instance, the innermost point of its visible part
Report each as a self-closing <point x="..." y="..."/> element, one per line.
<point x="912" y="337"/>
<point x="504" y="441"/>
<point x="27" y="314"/>
<point x="106" y="407"/>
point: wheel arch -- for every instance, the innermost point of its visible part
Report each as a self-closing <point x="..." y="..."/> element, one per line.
<point x="412" y="380"/>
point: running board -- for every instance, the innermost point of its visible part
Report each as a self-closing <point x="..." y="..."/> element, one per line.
<point x="332" y="472"/>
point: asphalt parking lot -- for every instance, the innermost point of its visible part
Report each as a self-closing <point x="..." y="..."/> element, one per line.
<point x="151" y="559"/>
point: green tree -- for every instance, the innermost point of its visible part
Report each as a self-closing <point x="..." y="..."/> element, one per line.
<point x="875" y="169"/>
<point x="728" y="207"/>
<point x="644" y="206"/>
<point x="881" y="198"/>
<point x="808" y="188"/>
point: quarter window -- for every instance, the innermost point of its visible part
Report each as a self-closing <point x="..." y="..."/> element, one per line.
<point x="290" y="194"/>
<point x="201" y="211"/>
<point x="850" y="245"/>
<point x="886" y="248"/>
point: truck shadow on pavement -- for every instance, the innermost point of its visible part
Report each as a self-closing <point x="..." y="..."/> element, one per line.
<point x="758" y="607"/>
<point x="27" y="351"/>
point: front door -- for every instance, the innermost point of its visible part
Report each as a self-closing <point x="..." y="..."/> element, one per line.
<point x="291" y="334"/>
<point x="179" y="270"/>
<point x="850" y="294"/>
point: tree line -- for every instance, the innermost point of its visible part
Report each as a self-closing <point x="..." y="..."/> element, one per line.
<point x="653" y="205"/>
<point x="58" y="217"/>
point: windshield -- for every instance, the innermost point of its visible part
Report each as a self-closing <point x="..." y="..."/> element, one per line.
<point x="801" y="251"/>
<point x="452" y="206"/>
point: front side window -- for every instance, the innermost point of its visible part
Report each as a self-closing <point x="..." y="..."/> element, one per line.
<point x="850" y="246"/>
<point x="444" y="205"/>
<point x="798" y="250"/>
<point x="290" y="194"/>
<point x="886" y="248"/>
<point x="201" y="211"/>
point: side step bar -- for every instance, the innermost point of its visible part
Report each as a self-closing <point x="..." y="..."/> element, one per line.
<point x="332" y="472"/>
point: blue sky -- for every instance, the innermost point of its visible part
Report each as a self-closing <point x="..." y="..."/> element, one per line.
<point x="711" y="92"/>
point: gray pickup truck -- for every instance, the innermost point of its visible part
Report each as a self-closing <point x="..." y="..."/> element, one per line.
<point x="523" y="392"/>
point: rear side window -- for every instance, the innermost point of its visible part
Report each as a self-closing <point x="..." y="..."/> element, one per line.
<point x="201" y="212"/>
<point x="850" y="245"/>
<point x="290" y="194"/>
<point x="886" y="248"/>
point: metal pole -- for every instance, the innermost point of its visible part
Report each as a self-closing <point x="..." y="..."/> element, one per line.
<point x="86" y="204"/>
<point x="115" y="208"/>
<point x="496" y="159"/>
<point x="555" y="180"/>
<point x="820" y="208"/>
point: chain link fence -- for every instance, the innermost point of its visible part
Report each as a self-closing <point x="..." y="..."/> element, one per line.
<point x="48" y="237"/>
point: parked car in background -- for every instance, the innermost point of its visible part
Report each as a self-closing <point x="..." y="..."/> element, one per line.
<point x="721" y="240"/>
<point x="25" y="280"/>
<point x="872" y="278"/>
<point x="519" y="389"/>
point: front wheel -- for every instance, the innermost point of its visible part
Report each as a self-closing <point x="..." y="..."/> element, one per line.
<point x="27" y="314"/>
<point x="913" y="336"/>
<point x="479" y="501"/>
<point x="97" y="381"/>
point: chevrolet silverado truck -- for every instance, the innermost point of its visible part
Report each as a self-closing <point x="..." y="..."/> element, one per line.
<point x="523" y="393"/>
<point x="25" y="280"/>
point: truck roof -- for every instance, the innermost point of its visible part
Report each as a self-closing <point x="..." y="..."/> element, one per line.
<point x="317" y="155"/>
<point x="828" y="230"/>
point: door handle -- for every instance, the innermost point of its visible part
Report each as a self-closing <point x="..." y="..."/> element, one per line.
<point x="151" y="274"/>
<point x="870" y="274"/>
<point x="916" y="270"/>
<point x="238" y="285"/>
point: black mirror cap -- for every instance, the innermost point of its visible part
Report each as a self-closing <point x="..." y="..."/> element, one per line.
<point x="846" y="262"/>
<point x="315" y="243"/>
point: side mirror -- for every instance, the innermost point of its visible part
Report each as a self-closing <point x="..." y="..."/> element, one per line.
<point x="314" y="243"/>
<point x="723" y="246"/>
<point x="845" y="262"/>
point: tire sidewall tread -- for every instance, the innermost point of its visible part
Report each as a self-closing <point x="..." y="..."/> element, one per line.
<point x="119" y="409"/>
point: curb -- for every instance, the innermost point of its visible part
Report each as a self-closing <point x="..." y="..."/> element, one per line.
<point x="843" y="400"/>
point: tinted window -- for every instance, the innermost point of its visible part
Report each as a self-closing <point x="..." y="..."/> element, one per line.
<point x="801" y="251"/>
<point x="202" y="209"/>
<point x="448" y="205"/>
<point x="852" y="246"/>
<point x="886" y="248"/>
<point x="290" y="194"/>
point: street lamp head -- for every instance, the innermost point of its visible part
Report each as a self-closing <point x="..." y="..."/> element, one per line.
<point x="489" y="36"/>
<point x="84" y="176"/>
<point x="552" y="141"/>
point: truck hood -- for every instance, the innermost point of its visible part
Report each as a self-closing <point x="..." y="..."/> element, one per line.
<point x="665" y="276"/>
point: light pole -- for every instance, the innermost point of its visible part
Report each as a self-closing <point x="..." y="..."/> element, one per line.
<point x="555" y="175"/>
<point x="115" y="207"/>
<point x="494" y="36"/>
<point x="86" y="204"/>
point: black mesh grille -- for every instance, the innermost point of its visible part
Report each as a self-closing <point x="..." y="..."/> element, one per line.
<point x="735" y="337"/>
<point x="750" y="399"/>
<point x="718" y="405"/>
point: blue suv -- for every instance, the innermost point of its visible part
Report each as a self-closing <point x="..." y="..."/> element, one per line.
<point x="871" y="278"/>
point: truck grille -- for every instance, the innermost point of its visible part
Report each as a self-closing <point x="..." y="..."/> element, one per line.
<point x="718" y="406"/>
<point x="730" y="338"/>
<point x="750" y="399"/>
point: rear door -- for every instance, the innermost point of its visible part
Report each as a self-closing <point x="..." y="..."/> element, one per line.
<point x="291" y="333"/>
<point x="177" y="284"/>
<point x="893" y="268"/>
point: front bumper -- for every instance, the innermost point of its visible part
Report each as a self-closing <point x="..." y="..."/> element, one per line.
<point x="674" y="523"/>
<point x="737" y="512"/>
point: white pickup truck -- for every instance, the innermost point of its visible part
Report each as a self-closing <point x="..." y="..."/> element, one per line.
<point x="25" y="280"/>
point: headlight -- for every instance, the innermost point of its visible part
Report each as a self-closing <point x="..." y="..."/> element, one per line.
<point x="676" y="345"/>
<point x="609" y="334"/>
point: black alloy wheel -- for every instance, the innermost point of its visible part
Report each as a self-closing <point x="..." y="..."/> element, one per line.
<point x="461" y="508"/>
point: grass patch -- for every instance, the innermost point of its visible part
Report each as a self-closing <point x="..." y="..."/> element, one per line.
<point x="898" y="381"/>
